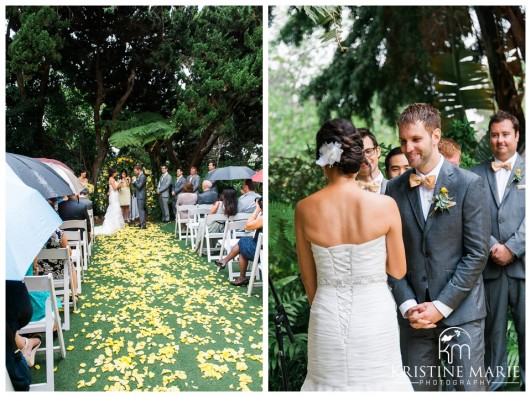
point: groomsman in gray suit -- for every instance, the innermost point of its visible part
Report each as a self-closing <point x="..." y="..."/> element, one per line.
<point x="211" y="169"/>
<point x="446" y="229"/>
<point x="504" y="275"/>
<point x="194" y="179"/>
<point x="370" y="178"/>
<point x="139" y="181"/>
<point x="163" y="189"/>
<point x="177" y="188"/>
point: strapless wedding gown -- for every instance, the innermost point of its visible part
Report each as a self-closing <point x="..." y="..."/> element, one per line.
<point x="353" y="340"/>
<point x="113" y="220"/>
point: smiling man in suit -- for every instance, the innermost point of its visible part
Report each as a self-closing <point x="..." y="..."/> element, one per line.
<point x="446" y="228"/>
<point x="504" y="275"/>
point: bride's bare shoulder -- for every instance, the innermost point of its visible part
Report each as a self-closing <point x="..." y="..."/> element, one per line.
<point x="310" y="202"/>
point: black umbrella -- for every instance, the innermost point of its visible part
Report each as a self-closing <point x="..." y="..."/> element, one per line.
<point x="230" y="173"/>
<point x="38" y="175"/>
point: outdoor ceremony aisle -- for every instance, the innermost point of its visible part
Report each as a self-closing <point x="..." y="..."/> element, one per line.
<point x="155" y="316"/>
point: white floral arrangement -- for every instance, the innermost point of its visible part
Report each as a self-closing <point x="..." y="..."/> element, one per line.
<point x="330" y="154"/>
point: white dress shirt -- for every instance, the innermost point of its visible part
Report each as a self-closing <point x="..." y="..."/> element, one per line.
<point x="502" y="176"/>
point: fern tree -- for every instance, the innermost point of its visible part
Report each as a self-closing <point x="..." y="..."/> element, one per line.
<point x="284" y="272"/>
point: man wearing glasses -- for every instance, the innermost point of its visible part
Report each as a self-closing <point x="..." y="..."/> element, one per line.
<point x="370" y="178"/>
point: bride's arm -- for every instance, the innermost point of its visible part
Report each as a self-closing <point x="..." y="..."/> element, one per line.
<point x="304" y="254"/>
<point x="114" y="184"/>
<point x="396" y="255"/>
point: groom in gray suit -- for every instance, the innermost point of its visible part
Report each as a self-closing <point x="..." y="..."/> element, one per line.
<point x="504" y="275"/>
<point x="140" y="187"/>
<point x="446" y="229"/>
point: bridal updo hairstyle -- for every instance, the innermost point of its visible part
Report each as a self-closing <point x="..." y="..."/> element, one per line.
<point x="112" y="171"/>
<point x="343" y="131"/>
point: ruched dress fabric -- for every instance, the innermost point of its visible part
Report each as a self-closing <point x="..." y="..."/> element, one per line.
<point x="113" y="220"/>
<point x="353" y="334"/>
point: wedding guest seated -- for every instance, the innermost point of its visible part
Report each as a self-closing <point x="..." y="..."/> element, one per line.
<point x="396" y="163"/>
<point x="246" y="246"/>
<point x="72" y="210"/>
<point x="451" y="150"/>
<point x="31" y="343"/>
<point x="208" y="196"/>
<point x="186" y="198"/>
<point x="227" y="205"/>
<point x="56" y="266"/>
<point x="18" y="312"/>
<point x="247" y="201"/>
<point x="83" y="198"/>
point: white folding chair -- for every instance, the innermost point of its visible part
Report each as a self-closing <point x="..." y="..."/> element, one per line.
<point x="196" y="216"/>
<point x="257" y="265"/>
<point x="63" y="286"/>
<point x="231" y="235"/>
<point x="91" y="239"/>
<point x="81" y="225"/>
<point x="241" y="216"/>
<point x="180" y="220"/>
<point x="75" y="241"/>
<point x="46" y="283"/>
<point x="9" y="384"/>
<point x="208" y="235"/>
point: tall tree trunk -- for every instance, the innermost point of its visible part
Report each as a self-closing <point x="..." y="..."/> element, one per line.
<point x="103" y="134"/>
<point x="506" y="92"/>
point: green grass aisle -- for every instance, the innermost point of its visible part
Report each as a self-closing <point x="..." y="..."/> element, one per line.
<point x="155" y="316"/>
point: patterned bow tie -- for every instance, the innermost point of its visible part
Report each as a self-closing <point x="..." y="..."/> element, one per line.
<point x="369" y="186"/>
<point x="498" y="166"/>
<point x="429" y="181"/>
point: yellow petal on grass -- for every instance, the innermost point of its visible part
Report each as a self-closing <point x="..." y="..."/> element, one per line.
<point x="70" y="348"/>
<point x="241" y="366"/>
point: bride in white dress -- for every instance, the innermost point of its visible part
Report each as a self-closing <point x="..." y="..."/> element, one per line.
<point x="113" y="220"/>
<point x="348" y="240"/>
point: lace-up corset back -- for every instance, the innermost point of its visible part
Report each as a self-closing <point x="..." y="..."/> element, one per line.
<point x="351" y="264"/>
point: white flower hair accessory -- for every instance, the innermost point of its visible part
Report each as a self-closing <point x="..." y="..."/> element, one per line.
<point x="330" y="154"/>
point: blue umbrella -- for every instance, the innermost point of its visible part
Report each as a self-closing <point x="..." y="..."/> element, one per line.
<point x="30" y="221"/>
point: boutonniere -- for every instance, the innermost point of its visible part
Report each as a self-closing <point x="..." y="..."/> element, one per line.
<point x="442" y="201"/>
<point x="518" y="175"/>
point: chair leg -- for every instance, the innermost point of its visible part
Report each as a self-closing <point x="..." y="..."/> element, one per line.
<point x="49" y="347"/>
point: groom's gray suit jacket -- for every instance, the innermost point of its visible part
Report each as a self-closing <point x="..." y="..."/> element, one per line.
<point x="507" y="219"/>
<point x="140" y="187"/>
<point x="446" y="253"/>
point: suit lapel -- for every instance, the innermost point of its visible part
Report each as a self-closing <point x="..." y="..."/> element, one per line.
<point x="491" y="178"/>
<point x="518" y="164"/>
<point x="445" y="179"/>
<point x="414" y="200"/>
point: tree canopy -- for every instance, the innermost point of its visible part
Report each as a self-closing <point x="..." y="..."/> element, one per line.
<point x="456" y="58"/>
<point x="183" y="83"/>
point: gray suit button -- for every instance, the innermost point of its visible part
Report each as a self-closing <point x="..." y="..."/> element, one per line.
<point x="424" y="279"/>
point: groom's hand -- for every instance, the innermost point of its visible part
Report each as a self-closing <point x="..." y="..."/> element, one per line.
<point x="427" y="311"/>
<point x="417" y="320"/>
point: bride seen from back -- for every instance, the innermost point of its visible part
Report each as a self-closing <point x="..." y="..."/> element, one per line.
<point x="348" y="240"/>
<point x="342" y="213"/>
